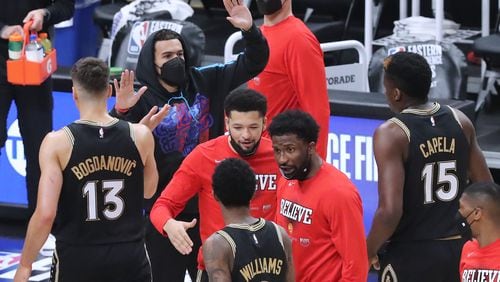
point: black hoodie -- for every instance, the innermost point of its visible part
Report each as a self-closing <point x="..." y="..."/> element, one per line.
<point x="179" y="133"/>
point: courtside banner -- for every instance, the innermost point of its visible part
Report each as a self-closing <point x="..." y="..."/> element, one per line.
<point x="350" y="149"/>
<point x="12" y="160"/>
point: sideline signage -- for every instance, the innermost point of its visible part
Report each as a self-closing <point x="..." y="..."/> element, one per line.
<point x="350" y="148"/>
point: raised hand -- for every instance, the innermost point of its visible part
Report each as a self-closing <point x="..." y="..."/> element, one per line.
<point x="176" y="231"/>
<point x="239" y="15"/>
<point x="155" y="116"/>
<point x="126" y="97"/>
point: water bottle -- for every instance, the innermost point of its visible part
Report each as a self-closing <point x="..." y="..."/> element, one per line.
<point x="47" y="45"/>
<point x="15" y="46"/>
<point x="34" y="50"/>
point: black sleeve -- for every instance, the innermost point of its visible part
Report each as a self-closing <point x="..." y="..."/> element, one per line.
<point x="59" y="11"/>
<point x="248" y="64"/>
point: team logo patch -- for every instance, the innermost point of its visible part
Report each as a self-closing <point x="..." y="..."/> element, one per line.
<point x="256" y="80"/>
<point x="389" y="275"/>
<point x="141" y="30"/>
<point x="395" y="50"/>
<point x="304" y="242"/>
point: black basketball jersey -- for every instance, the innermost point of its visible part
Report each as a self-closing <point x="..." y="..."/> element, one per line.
<point x="435" y="173"/>
<point x="258" y="251"/>
<point x="103" y="186"/>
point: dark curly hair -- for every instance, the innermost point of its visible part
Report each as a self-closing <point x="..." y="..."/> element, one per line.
<point x="234" y="183"/>
<point x="245" y="100"/>
<point x="295" y="122"/>
<point x="409" y="72"/>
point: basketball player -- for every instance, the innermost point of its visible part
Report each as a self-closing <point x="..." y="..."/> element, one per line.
<point x="95" y="173"/>
<point x="248" y="248"/>
<point x="319" y="206"/>
<point x="245" y="111"/>
<point x="479" y="218"/>
<point x="426" y="155"/>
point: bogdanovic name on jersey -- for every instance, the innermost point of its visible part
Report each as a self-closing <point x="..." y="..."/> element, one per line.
<point x="437" y="145"/>
<point x="295" y="211"/>
<point x="102" y="162"/>
<point x="480" y="275"/>
<point x="261" y="266"/>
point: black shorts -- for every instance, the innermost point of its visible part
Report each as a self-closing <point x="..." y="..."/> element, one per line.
<point x="112" y="262"/>
<point x="430" y="261"/>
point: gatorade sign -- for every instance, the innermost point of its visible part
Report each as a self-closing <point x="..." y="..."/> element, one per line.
<point x="345" y="77"/>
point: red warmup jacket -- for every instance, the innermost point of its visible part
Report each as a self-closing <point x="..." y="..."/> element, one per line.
<point x="324" y="219"/>
<point x="480" y="264"/>
<point x="294" y="77"/>
<point x="194" y="176"/>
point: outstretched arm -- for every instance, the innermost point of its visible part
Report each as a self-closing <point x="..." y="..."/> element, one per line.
<point x="390" y="145"/>
<point x="146" y="146"/>
<point x="223" y="78"/>
<point x="184" y="185"/>
<point x="218" y="258"/>
<point x="53" y="146"/>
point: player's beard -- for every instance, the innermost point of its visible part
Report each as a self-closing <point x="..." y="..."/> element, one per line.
<point x="301" y="172"/>
<point x="242" y="152"/>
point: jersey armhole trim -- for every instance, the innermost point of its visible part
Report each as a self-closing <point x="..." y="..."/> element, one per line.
<point x="132" y="134"/>
<point x="229" y="240"/>
<point x="403" y="126"/>
<point x="455" y="116"/>
<point x="280" y="236"/>
<point x="70" y="136"/>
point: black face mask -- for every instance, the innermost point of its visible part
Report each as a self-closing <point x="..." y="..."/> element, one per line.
<point x="302" y="172"/>
<point x="173" y="72"/>
<point x="240" y="151"/>
<point x="268" y="7"/>
<point x="464" y="226"/>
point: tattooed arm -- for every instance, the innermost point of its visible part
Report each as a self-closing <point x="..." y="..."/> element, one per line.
<point x="218" y="258"/>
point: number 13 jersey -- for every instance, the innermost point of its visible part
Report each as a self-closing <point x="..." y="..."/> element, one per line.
<point x="103" y="186"/>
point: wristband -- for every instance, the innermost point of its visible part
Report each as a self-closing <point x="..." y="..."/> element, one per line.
<point x="121" y="111"/>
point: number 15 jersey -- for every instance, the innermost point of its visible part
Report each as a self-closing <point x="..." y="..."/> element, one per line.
<point x="435" y="173"/>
